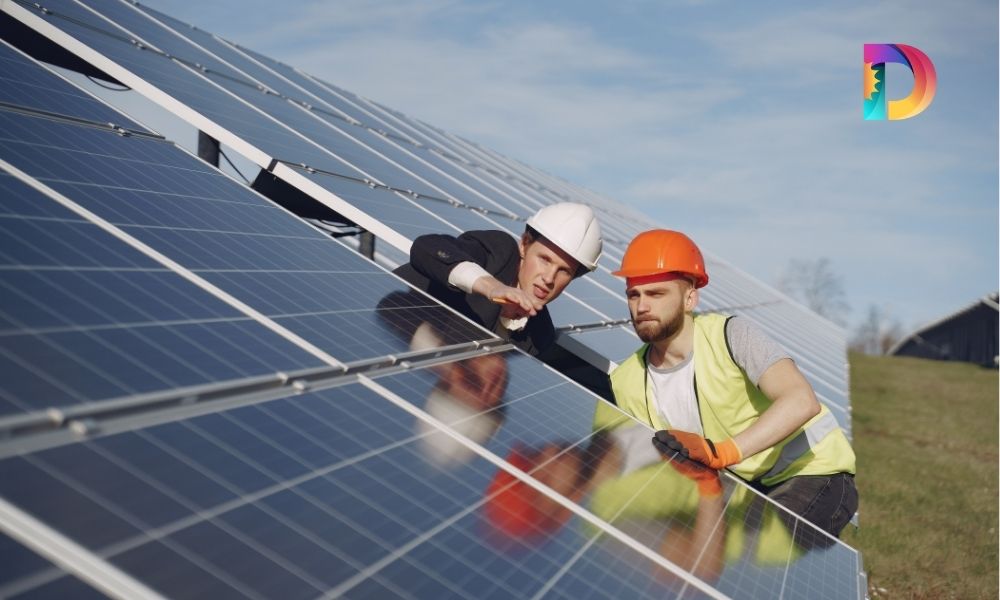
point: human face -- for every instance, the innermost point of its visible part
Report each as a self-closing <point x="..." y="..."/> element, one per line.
<point x="658" y="306"/>
<point x="545" y="270"/>
<point x="479" y="382"/>
<point x="559" y="469"/>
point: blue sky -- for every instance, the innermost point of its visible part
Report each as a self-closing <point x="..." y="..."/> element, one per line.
<point x="736" y="122"/>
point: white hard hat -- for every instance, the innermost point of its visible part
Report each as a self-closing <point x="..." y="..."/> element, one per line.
<point x="573" y="228"/>
<point x="441" y="449"/>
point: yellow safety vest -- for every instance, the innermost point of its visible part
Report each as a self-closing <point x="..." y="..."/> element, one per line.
<point x="729" y="403"/>
<point x="655" y="495"/>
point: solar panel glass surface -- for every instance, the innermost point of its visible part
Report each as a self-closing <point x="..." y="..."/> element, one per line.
<point x="19" y="562"/>
<point x="342" y="492"/>
<point x="22" y="83"/>
<point x="86" y="317"/>
<point x="326" y="493"/>
<point x="223" y="232"/>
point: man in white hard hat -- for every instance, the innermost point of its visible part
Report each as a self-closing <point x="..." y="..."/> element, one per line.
<point x="503" y="283"/>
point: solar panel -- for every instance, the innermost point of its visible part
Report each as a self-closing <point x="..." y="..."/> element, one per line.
<point x="20" y="562"/>
<point x="650" y="500"/>
<point x="283" y="130"/>
<point x="86" y="317"/>
<point x="372" y="466"/>
<point x="25" y="85"/>
<point x="345" y="165"/>
<point x="220" y="231"/>
<point x="616" y="343"/>
<point x="448" y="176"/>
<point x="340" y="491"/>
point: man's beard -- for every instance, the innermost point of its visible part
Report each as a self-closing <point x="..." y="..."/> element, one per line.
<point x="656" y="331"/>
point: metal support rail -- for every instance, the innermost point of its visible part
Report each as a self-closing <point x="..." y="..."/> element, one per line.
<point x="406" y="192"/>
<point x="61" y="118"/>
<point x="592" y="326"/>
<point x="58" y="425"/>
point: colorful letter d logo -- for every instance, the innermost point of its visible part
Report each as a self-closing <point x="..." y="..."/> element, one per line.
<point x="924" y="81"/>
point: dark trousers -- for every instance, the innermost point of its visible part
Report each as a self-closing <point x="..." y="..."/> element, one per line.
<point x="827" y="501"/>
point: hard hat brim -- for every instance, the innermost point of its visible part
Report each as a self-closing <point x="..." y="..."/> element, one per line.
<point x="700" y="280"/>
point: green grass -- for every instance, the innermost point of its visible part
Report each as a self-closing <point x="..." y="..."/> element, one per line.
<point x="925" y="434"/>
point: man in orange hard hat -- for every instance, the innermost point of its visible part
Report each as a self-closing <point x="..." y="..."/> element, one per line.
<point x="721" y="392"/>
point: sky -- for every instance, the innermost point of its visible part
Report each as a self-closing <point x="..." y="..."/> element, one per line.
<point x="739" y="123"/>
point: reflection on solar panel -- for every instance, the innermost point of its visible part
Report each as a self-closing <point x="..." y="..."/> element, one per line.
<point x="204" y="396"/>
<point x="393" y="175"/>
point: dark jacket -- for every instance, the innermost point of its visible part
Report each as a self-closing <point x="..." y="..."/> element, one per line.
<point x="432" y="257"/>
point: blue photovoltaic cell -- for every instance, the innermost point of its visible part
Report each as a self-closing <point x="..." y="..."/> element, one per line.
<point x="19" y="562"/>
<point x="440" y="173"/>
<point x="398" y="213"/>
<point x="23" y="83"/>
<point x="617" y="343"/>
<point x="295" y="498"/>
<point x="566" y="310"/>
<point x="85" y="317"/>
<point x="190" y="89"/>
<point x="519" y="200"/>
<point x="340" y="492"/>
<point x="361" y="159"/>
<point x="402" y="216"/>
<point x="584" y="291"/>
<point x="251" y="125"/>
<point x="758" y="548"/>
<point x="535" y="404"/>
<point x="179" y="222"/>
<point x="223" y="232"/>
<point x="493" y="189"/>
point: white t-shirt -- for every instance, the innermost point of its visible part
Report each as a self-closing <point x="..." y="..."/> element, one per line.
<point x="673" y="387"/>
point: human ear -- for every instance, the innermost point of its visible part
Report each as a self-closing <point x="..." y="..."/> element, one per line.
<point x="692" y="299"/>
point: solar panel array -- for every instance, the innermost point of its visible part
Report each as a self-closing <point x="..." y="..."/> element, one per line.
<point x="400" y="178"/>
<point x="202" y="395"/>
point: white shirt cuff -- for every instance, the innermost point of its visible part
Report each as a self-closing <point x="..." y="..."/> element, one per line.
<point x="464" y="275"/>
<point x="514" y="324"/>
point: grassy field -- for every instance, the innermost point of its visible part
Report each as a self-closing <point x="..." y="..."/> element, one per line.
<point x="925" y="433"/>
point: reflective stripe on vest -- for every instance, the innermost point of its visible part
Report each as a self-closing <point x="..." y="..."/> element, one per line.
<point x="805" y="441"/>
<point x="735" y="405"/>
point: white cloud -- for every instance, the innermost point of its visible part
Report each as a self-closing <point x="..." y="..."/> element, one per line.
<point x="706" y="137"/>
<point x="541" y="89"/>
<point x="812" y="40"/>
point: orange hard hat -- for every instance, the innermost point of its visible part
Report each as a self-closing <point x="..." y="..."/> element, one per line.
<point x="513" y="507"/>
<point x="663" y="251"/>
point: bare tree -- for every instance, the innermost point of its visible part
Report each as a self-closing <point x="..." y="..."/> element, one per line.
<point x="877" y="333"/>
<point x="815" y="284"/>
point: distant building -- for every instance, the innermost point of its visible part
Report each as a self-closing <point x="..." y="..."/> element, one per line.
<point x="968" y="335"/>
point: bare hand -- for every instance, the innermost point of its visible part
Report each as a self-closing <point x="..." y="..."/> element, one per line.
<point x="515" y="303"/>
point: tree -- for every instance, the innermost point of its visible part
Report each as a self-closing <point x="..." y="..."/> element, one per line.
<point x="815" y="284"/>
<point x="877" y="333"/>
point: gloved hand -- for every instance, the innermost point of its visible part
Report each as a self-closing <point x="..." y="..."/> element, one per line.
<point x="709" y="484"/>
<point x="695" y="447"/>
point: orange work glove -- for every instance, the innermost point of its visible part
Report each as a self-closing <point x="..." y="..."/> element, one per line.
<point x="709" y="484"/>
<point x="695" y="447"/>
